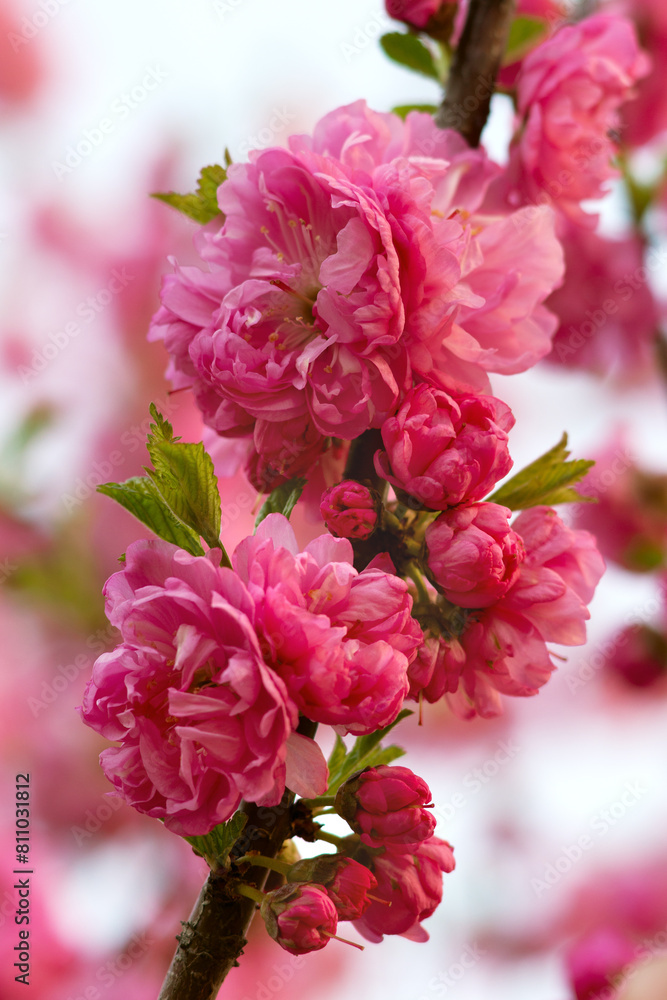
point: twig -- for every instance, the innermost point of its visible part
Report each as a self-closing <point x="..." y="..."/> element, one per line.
<point x="472" y="78"/>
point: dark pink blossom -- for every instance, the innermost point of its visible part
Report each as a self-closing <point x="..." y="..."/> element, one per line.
<point x="340" y="640"/>
<point x="415" y="12"/>
<point x="473" y="553"/>
<point x="411" y="883"/>
<point x="299" y="917"/>
<point x="595" y="963"/>
<point x="444" y="449"/>
<point x="350" y="510"/>
<point x="505" y="644"/>
<point x="385" y="805"/>
<point x="569" y="91"/>
<point x="201" y="718"/>
<point x="345" y="881"/>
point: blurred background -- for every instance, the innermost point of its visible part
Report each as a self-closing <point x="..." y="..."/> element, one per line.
<point x="557" y="810"/>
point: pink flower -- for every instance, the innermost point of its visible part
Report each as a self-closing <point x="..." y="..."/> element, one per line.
<point x="638" y="656"/>
<point x="608" y="316"/>
<point x="350" y="510"/>
<point x="201" y="718"/>
<point x="569" y="91"/>
<point x="437" y="668"/>
<point x="340" y="640"/>
<point x="645" y="116"/>
<point x="443" y="449"/>
<point x="474" y="554"/>
<point x="412" y="885"/>
<point x="415" y="12"/>
<point x="629" y="519"/>
<point x="504" y="644"/>
<point x="346" y="263"/>
<point x="385" y="805"/>
<point x="595" y="964"/>
<point x="299" y="917"/>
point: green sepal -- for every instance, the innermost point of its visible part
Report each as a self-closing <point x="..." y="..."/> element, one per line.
<point x="202" y="205"/>
<point x="141" y="498"/>
<point x="215" y="846"/>
<point x="282" y="500"/>
<point x="548" y="480"/>
<point x="366" y="752"/>
<point x="407" y="50"/>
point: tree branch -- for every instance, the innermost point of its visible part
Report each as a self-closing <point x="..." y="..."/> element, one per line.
<point x="214" y="936"/>
<point x="472" y="79"/>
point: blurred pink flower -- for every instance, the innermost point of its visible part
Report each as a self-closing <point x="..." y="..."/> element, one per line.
<point x="608" y="315"/>
<point x="569" y="91"/>
<point x="415" y="12"/>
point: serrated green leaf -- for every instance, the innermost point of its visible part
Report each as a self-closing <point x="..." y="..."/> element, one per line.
<point x="366" y="752"/>
<point x="140" y="497"/>
<point x="202" y="206"/>
<point x="184" y="476"/>
<point x="548" y="480"/>
<point x="408" y="51"/>
<point x="525" y="33"/>
<point x="403" y="110"/>
<point x="216" y="845"/>
<point x="282" y="500"/>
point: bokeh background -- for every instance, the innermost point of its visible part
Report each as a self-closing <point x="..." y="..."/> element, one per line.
<point x="557" y="810"/>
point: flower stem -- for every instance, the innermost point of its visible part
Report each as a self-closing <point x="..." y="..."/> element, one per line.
<point x="250" y="892"/>
<point x="330" y="838"/>
<point x="258" y="859"/>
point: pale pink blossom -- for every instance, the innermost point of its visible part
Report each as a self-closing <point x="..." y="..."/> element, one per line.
<point x="299" y="917"/>
<point x="340" y="640"/>
<point x="444" y="449"/>
<point x="386" y="806"/>
<point x="411" y="882"/>
<point x="473" y="553"/>
<point x="201" y="718"/>
<point x="346" y="263"/>
<point x="350" y="510"/>
<point x="569" y="91"/>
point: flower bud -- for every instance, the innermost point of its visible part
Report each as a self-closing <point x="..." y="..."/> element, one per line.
<point x="350" y="510"/>
<point x="474" y="554"/>
<point x="347" y="883"/>
<point x="444" y="449"/>
<point x="415" y="12"/>
<point x="385" y="805"/>
<point x="300" y="918"/>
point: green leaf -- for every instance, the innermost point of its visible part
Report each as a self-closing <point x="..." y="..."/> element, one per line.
<point x="408" y="51"/>
<point x="184" y="476"/>
<point x="141" y="498"/>
<point x="366" y="752"/>
<point x="216" y="845"/>
<point x="202" y="206"/>
<point x="525" y="33"/>
<point x="282" y="500"/>
<point x="548" y="480"/>
<point x="403" y="110"/>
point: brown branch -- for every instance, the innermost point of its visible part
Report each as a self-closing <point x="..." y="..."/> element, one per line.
<point x="472" y="79"/>
<point x="214" y="936"/>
